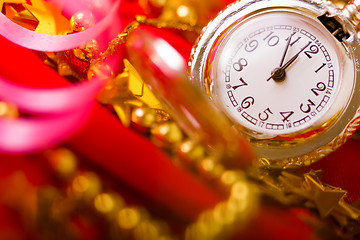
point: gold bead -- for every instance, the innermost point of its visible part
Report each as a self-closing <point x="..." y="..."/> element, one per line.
<point x="166" y="134"/>
<point x="240" y="190"/>
<point x="190" y="152"/>
<point x="108" y="203"/>
<point x="100" y="70"/>
<point x="81" y="21"/>
<point x="87" y="52"/>
<point x="146" y="230"/>
<point x="186" y="13"/>
<point x="64" y="69"/>
<point x="162" y="116"/>
<point x="140" y="18"/>
<point x="223" y="214"/>
<point x="8" y="110"/>
<point x="158" y="3"/>
<point x="239" y="197"/>
<point x="143" y="118"/>
<point x="209" y="220"/>
<point x="86" y="185"/>
<point x="166" y="238"/>
<point x="229" y="177"/>
<point x="128" y="218"/>
<point x="198" y="230"/>
<point x="63" y="161"/>
<point x="210" y="168"/>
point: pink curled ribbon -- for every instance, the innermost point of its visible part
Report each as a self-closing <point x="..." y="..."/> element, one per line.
<point x="58" y="112"/>
<point x="54" y="43"/>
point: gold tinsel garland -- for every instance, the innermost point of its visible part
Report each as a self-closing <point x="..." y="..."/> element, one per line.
<point x="138" y="108"/>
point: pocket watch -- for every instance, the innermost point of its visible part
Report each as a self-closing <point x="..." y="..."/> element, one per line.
<point x="286" y="73"/>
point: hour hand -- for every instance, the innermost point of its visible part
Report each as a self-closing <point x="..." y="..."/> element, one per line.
<point x="279" y="73"/>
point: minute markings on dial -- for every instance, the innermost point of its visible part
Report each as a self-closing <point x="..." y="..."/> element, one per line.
<point x="249" y="97"/>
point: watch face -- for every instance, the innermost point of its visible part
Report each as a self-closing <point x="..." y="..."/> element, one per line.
<point x="276" y="73"/>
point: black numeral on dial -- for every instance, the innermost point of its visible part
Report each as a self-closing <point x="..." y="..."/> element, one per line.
<point x="247" y="102"/>
<point x="272" y="40"/>
<point x="320" y="87"/>
<point x="251" y="46"/>
<point x="265" y="114"/>
<point x="286" y="115"/>
<point x="312" y="50"/>
<point x="243" y="83"/>
<point x="322" y="65"/>
<point x="307" y="109"/>
<point x="240" y="64"/>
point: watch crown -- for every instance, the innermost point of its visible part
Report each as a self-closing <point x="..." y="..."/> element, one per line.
<point x="351" y="11"/>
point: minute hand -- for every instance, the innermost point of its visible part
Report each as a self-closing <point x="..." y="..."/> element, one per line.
<point x="287" y="64"/>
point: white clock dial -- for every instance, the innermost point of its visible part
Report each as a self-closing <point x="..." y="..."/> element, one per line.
<point x="277" y="73"/>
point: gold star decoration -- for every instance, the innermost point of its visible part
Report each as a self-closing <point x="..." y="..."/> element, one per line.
<point x="20" y="16"/>
<point x="2" y="2"/>
<point x="36" y="15"/>
<point x="126" y="91"/>
<point x="306" y="190"/>
<point x="51" y="20"/>
<point x="324" y="197"/>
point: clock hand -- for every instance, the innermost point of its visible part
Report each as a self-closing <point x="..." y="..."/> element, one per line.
<point x="279" y="73"/>
<point x="286" y="49"/>
<point x="295" y="57"/>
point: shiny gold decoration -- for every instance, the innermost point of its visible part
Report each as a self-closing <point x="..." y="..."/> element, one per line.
<point x="2" y="2"/>
<point x="121" y="38"/>
<point x="108" y="204"/>
<point x="228" y="216"/>
<point x="308" y="191"/>
<point x="86" y="185"/>
<point x="8" y="110"/>
<point x="325" y="198"/>
<point x="51" y="20"/>
<point x="116" y="89"/>
<point x="88" y="51"/>
<point x="179" y="10"/>
<point x="100" y="70"/>
<point x="64" y="69"/>
<point x="146" y="230"/>
<point x="128" y="218"/>
<point x="81" y="21"/>
<point x="126" y="91"/>
<point x="84" y="195"/>
<point x="123" y="110"/>
<point x="36" y="15"/>
<point x="191" y="152"/>
<point x="169" y="23"/>
<point x="143" y="119"/>
<point x="63" y="161"/>
<point x="20" y="16"/>
<point x="166" y="134"/>
<point x="190" y="11"/>
<point x="210" y="168"/>
<point x="139" y="88"/>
